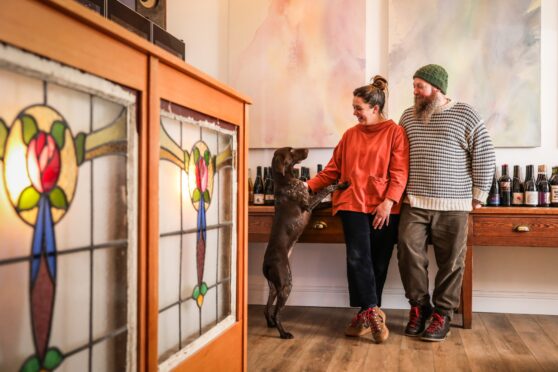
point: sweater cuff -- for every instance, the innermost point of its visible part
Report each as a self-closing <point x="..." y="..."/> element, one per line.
<point x="312" y="184"/>
<point x="479" y="194"/>
<point x="394" y="195"/>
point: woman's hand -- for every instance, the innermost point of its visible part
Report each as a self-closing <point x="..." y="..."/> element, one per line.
<point x="381" y="214"/>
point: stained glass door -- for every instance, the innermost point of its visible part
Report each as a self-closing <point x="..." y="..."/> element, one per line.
<point x="67" y="219"/>
<point x="197" y="250"/>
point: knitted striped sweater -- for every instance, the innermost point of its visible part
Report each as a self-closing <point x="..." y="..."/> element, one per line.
<point x="451" y="158"/>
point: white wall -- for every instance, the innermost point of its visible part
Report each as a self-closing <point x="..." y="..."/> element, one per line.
<point x="202" y="25"/>
<point x="516" y="279"/>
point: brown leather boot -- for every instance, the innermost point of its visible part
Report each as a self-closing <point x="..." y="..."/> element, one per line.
<point x="417" y="320"/>
<point x="377" y="319"/>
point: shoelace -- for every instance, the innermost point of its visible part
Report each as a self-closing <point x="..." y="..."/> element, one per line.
<point x="374" y="320"/>
<point x="437" y="323"/>
<point x="414" y="315"/>
<point x="360" y="317"/>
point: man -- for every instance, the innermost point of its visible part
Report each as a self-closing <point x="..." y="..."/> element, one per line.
<point x="450" y="172"/>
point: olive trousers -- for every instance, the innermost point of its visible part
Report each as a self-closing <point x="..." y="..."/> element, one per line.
<point x="447" y="232"/>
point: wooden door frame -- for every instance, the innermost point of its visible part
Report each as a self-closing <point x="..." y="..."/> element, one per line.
<point x="67" y="32"/>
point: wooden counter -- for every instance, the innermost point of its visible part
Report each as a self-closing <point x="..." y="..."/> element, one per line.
<point x="488" y="226"/>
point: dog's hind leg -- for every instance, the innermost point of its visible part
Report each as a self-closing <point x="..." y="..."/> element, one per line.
<point x="269" y="306"/>
<point x="282" y="296"/>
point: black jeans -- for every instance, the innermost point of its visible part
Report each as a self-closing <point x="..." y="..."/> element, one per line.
<point x="368" y="255"/>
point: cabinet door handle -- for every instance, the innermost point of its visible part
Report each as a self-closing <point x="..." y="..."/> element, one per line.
<point x="522" y="228"/>
<point x="320" y="225"/>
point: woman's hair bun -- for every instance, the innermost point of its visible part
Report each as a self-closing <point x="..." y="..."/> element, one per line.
<point x="379" y="82"/>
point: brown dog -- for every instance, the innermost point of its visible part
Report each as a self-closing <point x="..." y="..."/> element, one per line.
<point x="293" y="207"/>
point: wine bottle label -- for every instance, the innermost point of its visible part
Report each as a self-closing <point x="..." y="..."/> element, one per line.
<point x="505" y="186"/>
<point x="554" y="194"/>
<point x="259" y="199"/>
<point x="269" y="197"/>
<point x="517" y="198"/>
<point x="544" y="198"/>
<point x="531" y="197"/>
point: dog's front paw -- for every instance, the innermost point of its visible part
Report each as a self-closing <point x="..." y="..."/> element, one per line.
<point x="287" y="336"/>
<point x="343" y="186"/>
<point x="271" y="323"/>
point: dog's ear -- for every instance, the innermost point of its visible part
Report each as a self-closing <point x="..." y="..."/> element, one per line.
<point x="278" y="165"/>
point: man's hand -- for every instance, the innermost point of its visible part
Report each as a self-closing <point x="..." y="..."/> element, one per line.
<point x="381" y="214"/>
<point x="476" y="204"/>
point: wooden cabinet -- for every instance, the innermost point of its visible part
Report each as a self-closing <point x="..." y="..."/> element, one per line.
<point x="489" y="226"/>
<point x="505" y="226"/>
<point x="77" y="38"/>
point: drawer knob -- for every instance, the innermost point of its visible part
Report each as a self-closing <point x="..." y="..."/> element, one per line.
<point x="320" y="225"/>
<point x="522" y="228"/>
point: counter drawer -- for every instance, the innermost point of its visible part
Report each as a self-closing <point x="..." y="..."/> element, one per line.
<point x="516" y="231"/>
<point x="323" y="229"/>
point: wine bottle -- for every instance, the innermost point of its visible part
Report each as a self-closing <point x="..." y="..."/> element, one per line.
<point x="269" y="189"/>
<point x="258" y="187"/>
<point x="303" y="174"/>
<point x="265" y="175"/>
<point x="250" y="187"/>
<point x="494" y="193"/>
<point x="531" y="194"/>
<point x="319" y="168"/>
<point x="504" y="184"/>
<point x="554" y="187"/>
<point x="543" y="188"/>
<point x="517" y="187"/>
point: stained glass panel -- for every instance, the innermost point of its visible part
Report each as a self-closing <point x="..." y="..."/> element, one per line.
<point x="168" y="332"/>
<point x="66" y="191"/>
<point x="169" y="270"/>
<point x="189" y="275"/>
<point x="190" y="321"/>
<point x="110" y="355"/>
<point x="69" y="234"/>
<point x="109" y="293"/>
<point x="199" y="262"/>
<point x="110" y="222"/>
<point x="169" y="186"/>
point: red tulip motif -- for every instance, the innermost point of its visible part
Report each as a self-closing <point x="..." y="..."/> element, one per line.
<point x="201" y="175"/>
<point x="43" y="162"/>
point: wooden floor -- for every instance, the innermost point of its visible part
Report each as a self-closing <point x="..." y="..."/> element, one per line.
<point x="497" y="342"/>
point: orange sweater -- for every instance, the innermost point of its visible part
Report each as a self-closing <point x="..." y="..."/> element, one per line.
<point x="375" y="160"/>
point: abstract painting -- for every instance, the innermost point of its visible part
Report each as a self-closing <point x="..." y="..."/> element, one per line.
<point x="491" y="50"/>
<point x="299" y="61"/>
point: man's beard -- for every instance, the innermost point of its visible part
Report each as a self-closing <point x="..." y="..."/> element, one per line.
<point x="425" y="106"/>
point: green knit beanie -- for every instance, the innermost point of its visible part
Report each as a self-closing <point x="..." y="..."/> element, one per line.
<point x="435" y="75"/>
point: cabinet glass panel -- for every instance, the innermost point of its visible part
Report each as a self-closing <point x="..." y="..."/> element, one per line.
<point x="67" y="226"/>
<point x="197" y="247"/>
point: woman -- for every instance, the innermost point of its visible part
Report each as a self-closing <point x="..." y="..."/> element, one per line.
<point x="373" y="156"/>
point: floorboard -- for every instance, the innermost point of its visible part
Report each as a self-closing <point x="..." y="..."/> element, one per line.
<point x="497" y="342"/>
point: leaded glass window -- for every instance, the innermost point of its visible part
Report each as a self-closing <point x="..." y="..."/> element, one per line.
<point x="67" y="218"/>
<point x="197" y="246"/>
